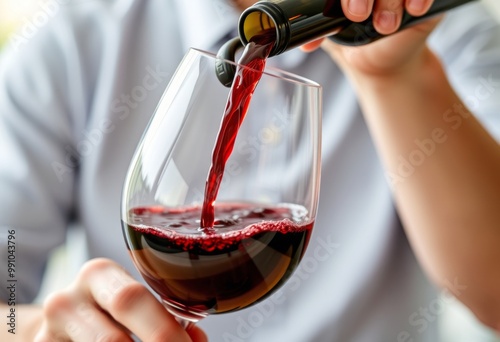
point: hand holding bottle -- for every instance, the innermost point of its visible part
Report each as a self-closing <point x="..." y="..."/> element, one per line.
<point x="292" y="23"/>
<point x="391" y="55"/>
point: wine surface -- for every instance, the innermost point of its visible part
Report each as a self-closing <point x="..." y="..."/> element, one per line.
<point x="253" y="250"/>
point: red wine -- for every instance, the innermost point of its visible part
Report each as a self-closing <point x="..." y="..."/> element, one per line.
<point x="253" y="251"/>
<point x="250" y="68"/>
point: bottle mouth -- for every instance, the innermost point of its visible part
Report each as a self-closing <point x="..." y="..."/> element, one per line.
<point x="255" y="20"/>
<point x="226" y="71"/>
<point x="261" y="17"/>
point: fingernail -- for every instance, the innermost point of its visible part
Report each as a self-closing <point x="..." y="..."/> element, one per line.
<point x="358" y="7"/>
<point x="388" y="20"/>
<point x="417" y="6"/>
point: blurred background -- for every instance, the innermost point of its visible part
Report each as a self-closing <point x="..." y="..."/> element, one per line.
<point x="13" y="14"/>
<point x="456" y="322"/>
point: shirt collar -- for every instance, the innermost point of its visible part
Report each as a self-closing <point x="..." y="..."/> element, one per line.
<point x="205" y="23"/>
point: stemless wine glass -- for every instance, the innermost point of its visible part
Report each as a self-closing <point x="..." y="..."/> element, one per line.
<point x="266" y="205"/>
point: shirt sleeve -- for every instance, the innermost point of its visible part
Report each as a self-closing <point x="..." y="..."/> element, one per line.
<point x="37" y="169"/>
<point x="468" y="43"/>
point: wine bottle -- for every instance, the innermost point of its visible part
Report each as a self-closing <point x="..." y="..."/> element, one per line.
<point x="297" y="22"/>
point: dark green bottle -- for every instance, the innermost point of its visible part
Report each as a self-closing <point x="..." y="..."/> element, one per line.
<point x="297" y="22"/>
<point x="300" y="21"/>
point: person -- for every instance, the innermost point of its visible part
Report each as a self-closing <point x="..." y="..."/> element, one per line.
<point x="410" y="176"/>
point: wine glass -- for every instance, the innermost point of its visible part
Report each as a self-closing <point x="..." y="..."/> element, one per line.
<point x="266" y="205"/>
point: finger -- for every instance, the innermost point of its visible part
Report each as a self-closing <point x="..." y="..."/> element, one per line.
<point x="387" y="15"/>
<point x="357" y="10"/>
<point x="197" y="335"/>
<point x="418" y="7"/>
<point x="311" y="46"/>
<point x="68" y="318"/>
<point x="130" y="303"/>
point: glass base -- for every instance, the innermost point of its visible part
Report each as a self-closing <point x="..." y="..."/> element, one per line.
<point x="183" y="315"/>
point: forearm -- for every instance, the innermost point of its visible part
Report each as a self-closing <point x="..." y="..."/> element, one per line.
<point x="445" y="171"/>
<point x="25" y="321"/>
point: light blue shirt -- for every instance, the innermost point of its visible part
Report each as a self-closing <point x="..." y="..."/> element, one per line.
<point x="76" y="97"/>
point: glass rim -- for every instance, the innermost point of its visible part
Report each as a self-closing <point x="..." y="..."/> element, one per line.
<point x="269" y="71"/>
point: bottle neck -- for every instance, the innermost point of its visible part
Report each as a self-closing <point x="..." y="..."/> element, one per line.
<point x="294" y="22"/>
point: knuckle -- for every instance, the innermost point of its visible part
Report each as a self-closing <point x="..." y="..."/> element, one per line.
<point x="96" y="265"/>
<point x="127" y="297"/>
<point x="57" y="303"/>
